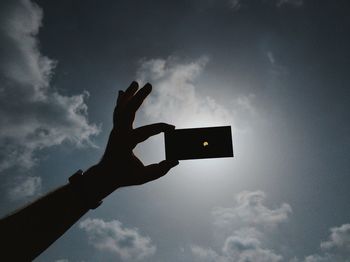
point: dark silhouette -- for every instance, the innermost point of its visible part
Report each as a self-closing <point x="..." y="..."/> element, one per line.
<point x="197" y="143"/>
<point x="27" y="232"/>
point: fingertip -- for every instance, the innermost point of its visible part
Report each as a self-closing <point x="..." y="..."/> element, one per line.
<point x="148" y="87"/>
<point x="171" y="163"/>
<point x="132" y="88"/>
<point x="120" y="96"/>
<point x="170" y="127"/>
<point x="175" y="162"/>
<point x="166" y="127"/>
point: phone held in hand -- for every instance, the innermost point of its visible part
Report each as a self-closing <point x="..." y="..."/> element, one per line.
<point x="198" y="143"/>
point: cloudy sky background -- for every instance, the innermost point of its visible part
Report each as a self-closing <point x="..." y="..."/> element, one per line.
<point x="276" y="70"/>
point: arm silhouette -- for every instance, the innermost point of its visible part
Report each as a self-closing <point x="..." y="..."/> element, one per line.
<point x="27" y="232"/>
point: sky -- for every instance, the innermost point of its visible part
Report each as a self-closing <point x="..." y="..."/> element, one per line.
<point x="275" y="70"/>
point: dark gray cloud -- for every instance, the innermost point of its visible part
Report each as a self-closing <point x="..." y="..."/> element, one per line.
<point x="295" y="3"/>
<point x="33" y="115"/>
<point x="24" y="187"/>
<point x="238" y="4"/>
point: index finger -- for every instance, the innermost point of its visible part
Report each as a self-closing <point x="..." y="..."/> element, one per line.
<point x="137" y="100"/>
<point x="144" y="132"/>
<point x="133" y="104"/>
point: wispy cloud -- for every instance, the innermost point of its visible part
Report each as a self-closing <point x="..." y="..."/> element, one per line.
<point x="336" y="248"/>
<point x="245" y="227"/>
<point x="33" y="115"/>
<point x="112" y="236"/>
<point x="174" y="97"/>
<point x="240" y="249"/>
<point x="177" y="99"/>
<point x="235" y="4"/>
<point x="339" y="238"/>
<point x="276" y="69"/>
<point x="249" y="210"/>
<point x="251" y="231"/>
<point x="25" y="187"/>
<point x="293" y="3"/>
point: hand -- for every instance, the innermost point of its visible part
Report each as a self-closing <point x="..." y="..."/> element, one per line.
<point x="119" y="166"/>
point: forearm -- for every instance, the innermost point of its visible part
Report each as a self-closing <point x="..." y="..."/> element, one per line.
<point x="28" y="232"/>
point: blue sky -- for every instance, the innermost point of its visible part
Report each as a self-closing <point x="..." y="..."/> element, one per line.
<point x="275" y="70"/>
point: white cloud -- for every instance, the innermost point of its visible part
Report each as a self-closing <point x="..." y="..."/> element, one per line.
<point x="339" y="239"/>
<point x="33" y="115"/>
<point x="26" y="187"/>
<point x="238" y="250"/>
<point x="249" y="210"/>
<point x="336" y="248"/>
<point x="245" y="248"/>
<point x="206" y="255"/>
<point x="176" y="98"/>
<point x="249" y="231"/>
<point x="112" y="236"/>
<point x="319" y="258"/>
<point x="246" y="225"/>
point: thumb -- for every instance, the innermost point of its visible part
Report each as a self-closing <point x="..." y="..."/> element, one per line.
<point x="156" y="171"/>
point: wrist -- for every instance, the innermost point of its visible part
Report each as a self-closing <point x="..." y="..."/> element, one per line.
<point x="79" y="183"/>
<point x="99" y="182"/>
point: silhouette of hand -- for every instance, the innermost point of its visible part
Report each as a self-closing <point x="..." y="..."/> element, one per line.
<point x="119" y="164"/>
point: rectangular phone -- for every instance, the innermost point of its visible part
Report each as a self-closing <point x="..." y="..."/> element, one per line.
<point x="197" y="143"/>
